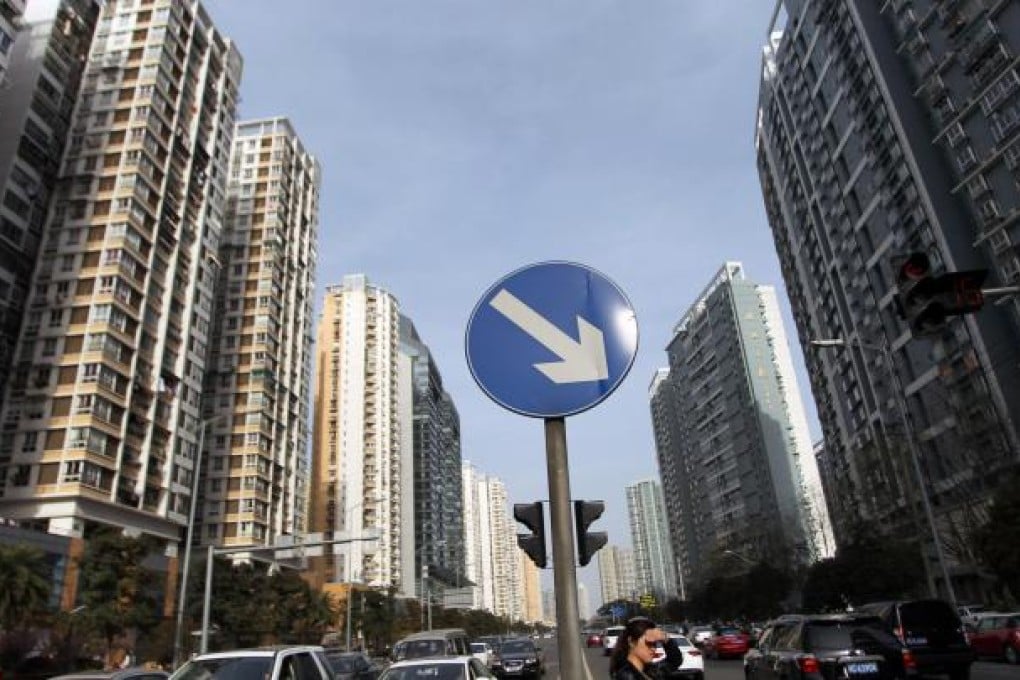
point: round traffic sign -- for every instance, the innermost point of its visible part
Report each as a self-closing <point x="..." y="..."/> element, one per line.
<point x="551" y="339"/>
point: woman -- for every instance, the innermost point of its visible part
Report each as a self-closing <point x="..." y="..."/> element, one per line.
<point x="635" y="649"/>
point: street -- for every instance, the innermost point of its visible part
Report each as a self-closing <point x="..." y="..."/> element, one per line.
<point x="732" y="669"/>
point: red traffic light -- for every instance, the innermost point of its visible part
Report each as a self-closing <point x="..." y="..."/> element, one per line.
<point x="915" y="267"/>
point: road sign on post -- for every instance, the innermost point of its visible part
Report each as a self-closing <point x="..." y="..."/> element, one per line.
<point x="551" y="339"/>
<point x="548" y="341"/>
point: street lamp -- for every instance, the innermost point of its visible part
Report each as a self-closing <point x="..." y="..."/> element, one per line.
<point x="915" y="457"/>
<point x="186" y="566"/>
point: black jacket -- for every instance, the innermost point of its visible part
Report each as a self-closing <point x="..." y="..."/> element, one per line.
<point x="656" y="671"/>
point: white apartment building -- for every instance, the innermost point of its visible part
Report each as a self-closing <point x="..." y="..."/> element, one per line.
<point x="259" y="379"/>
<point x="653" y="557"/>
<point x="359" y="457"/>
<point x="491" y="551"/>
<point x="102" y="414"/>
<point x="616" y="574"/>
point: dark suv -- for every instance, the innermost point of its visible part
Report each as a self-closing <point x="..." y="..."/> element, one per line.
<point x="931" y="630"/>
<point x="827" y="647"/>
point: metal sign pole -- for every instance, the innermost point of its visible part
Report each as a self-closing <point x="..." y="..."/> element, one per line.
<point x="568" y="629"/>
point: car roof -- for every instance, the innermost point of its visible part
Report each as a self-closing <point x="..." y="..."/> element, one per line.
<point x="260" y="651"/>
<point x="431" y="660"/>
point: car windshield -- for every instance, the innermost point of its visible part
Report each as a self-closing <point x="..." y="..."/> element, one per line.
<point x="415" y="649"/>
<point x="681" y="641"/>
<point x="229" y="668"/>
<point x="477" y="647"/>
<point x="728" y="631"/>
<point x="425" y="671"/>
<point x="517" y="647"/>
<point x="614" y="631"/>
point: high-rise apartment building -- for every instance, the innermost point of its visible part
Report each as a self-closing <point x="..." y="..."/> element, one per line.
<point x="884" y="129"/>
<point x="359" y="474"/>
<point x="255" y="406"/>
<point x="531" y="589"/>
<point x="478" y="544"/>
<point x="732" y="436"/>
<point x="102" y="419"/>
<point x="491" y="552"/>
<point x="654" y="566"/>
<point x="437" y="500"/>
<point x="11" y="12"/>
<point x="40" y="77"/>
<point x="616" y="574"/>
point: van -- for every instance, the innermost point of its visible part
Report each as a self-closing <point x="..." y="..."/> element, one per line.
<point x="931" y="630"/>
<point x="439" y="642"/>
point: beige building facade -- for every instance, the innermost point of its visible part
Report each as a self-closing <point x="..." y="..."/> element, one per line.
<point x="102" y="413"/>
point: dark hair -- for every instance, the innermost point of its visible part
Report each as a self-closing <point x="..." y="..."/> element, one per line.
<point x="632" y="632"/>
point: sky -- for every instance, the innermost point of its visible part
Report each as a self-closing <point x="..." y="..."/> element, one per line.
<point x="463" y="139"/>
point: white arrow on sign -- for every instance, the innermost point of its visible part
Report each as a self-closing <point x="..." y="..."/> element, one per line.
<point x="583" y="361"/>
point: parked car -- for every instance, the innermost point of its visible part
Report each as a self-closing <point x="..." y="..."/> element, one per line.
<point x="438" y="668"/>
<point x="264" y="663"/>
<point x="352" y="666"/>
<point x="593" y="640"/>
<point x="693" y="666"/>
<point x="931" y="630"/>
<point x="122" y="674"/>
<point x="609" y="637"/>
<point x="699" y="634"/>
<point x="483" y="652"/>
<point x="727" y="642"/>
<point x="998" y="636"/>
<point x="827" y="647"/>
<point x="518" y="658"/>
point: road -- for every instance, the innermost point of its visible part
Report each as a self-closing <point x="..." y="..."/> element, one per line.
<point x="732" y="669"/>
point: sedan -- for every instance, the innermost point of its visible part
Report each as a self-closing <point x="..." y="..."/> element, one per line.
<point x="593" y="640"/>
<point x="437" y="668"/>
<point x="519" y="658"/>
<point x="998" y="636"/>
<point x="352" y="666"/>
<point x="727" y="642"/>
<point x="693" y="666"/>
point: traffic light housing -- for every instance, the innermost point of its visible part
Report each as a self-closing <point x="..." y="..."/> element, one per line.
<point x="532" y="516"/>
<point x="926" y="301"/>
<point x="588" y="542"/>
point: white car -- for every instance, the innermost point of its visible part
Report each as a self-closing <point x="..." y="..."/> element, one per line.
<point x="699" y="635"/>
<point x="438" y="668"/>
<point x="270" y="663"/>
<point x="483" y="652"/>
<point x="609" y="638"/>
<point x="693" y="666"/>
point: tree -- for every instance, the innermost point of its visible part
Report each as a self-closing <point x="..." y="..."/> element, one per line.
<point x="868" y="567"/>
<point x="115" y="587"/>
<point x="997" y="543"/>
<point x="25" y="585"/>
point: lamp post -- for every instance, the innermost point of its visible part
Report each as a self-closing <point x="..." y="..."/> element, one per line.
<point x="212" y="552"/>
<point x="915" y="458"/>
<point x="186" y="565"/>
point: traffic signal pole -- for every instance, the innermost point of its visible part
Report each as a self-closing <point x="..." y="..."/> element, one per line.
<point x="568" y="629"/>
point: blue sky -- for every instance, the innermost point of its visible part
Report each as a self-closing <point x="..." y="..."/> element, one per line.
<point x="463" y="139"/>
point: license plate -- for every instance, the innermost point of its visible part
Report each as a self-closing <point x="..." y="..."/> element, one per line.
<point x="917" y="641"/>
<point x="862" y="668"/>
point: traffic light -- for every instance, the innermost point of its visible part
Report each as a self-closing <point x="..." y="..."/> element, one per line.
<point x="588" y="542"/>
<point x="532" y="516"/>
<point x="926" y="301"/>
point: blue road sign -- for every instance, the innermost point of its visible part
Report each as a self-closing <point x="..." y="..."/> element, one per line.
<point x="618" y="610"/>
<point x="551" y="339"/>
